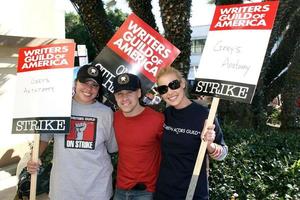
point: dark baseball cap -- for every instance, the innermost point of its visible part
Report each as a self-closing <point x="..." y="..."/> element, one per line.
<point x="89" y="72"/>
<point x="126" y="81"/>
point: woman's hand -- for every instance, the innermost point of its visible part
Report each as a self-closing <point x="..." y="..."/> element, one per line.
<point x="209" y="136"/>
<point x="33" y="167"/>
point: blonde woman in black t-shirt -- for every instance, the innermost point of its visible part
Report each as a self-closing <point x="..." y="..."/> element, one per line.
<point x="184" y="121"/>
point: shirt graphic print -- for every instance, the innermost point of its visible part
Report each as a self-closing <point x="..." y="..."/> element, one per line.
<point x="82" y="133"/>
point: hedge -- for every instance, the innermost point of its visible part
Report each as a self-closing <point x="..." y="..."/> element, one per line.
<point x="260" y="165"/>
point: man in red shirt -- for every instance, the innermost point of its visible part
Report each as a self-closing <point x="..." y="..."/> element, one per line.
<point x="138" y="132"/>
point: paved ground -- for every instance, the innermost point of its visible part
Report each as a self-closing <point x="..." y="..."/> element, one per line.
<point x="8" y="187"/>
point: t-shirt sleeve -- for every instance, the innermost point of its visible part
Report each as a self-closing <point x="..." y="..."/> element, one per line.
<point x="161" y="126"/>
<point x="46" y="137"/>
<point x="221" y="150"/>
<point x="111" y="143"/>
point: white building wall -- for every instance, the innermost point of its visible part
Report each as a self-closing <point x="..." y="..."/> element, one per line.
<point x="32" y="18"/>
<point x="22" y="23"/>
<point x="198" y="32"/>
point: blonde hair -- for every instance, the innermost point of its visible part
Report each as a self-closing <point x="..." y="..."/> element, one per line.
<point x="169" y="70"/>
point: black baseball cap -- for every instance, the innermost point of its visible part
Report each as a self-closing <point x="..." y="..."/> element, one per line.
<point x="89" y="72"/>
<point x="126" y="81"/>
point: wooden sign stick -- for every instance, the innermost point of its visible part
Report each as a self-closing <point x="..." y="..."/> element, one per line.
<point x="202" y="150"/>
<point x="35" y="158"/>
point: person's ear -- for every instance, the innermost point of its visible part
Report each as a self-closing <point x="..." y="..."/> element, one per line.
<point x="183" y="83"/>
<point x="139" y="93"/>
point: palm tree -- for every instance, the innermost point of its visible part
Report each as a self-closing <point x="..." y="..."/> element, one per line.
<point x="143" y="9"/>
<point x="276" y="73"/>
<point x="228" y="2"/>
<point x="291" y="89"/>
<point x="96" y="21"/>
<point x="291" y="94"/>
<point x="264" y="91"/>
<point x="176" y="22"/>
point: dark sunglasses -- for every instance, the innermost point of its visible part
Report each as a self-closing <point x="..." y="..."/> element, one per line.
<point x="163" y="89"/>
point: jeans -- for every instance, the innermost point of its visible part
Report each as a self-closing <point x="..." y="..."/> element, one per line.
<point x="132" y="195"/>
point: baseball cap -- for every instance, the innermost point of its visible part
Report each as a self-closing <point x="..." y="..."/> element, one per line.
<point x="126" y="81"/>
<point x="89" y="72"/>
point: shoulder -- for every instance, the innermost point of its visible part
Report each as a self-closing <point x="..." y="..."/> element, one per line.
<point x="103" y="107"/>
<point x="199" y="107"/>
<point x="154" y="113"/>
<point x="102" y="110"/>
<point x="168" y="109"/>
<point x="118" y="113"/>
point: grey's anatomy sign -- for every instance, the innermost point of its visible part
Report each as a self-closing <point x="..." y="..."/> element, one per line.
<point x="43" y="99"/>
<point x="234" y="50"/>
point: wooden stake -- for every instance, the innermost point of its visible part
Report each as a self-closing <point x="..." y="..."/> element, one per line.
<point x="35" y="158"/>
<point x="202" y="150"/>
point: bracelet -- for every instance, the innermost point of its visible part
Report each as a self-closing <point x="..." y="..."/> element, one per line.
<point x="215" y="148"/>
<point x="217" y="152"/>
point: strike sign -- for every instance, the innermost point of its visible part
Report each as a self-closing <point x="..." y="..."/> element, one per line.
<point x="44" y="89"/>
<point x="135" y="48"/>
<point x="234" y="50"/>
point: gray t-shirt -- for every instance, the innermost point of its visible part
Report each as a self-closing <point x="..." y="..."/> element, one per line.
<point x="82" y="167"/>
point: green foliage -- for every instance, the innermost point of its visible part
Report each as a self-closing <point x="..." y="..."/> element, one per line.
<point x="273" y="118"/>
<point x="75" y="29"/>
<point x="117" y="17"/>
<point x="47" y="155"/>
<point x="260" y="165"/>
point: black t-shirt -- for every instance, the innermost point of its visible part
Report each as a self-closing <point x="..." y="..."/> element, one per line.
<point x="180" y="145"/>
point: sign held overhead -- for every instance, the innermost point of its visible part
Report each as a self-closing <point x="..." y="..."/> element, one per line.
<point x="234" y="50"/>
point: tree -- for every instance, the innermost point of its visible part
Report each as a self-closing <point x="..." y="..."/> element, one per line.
<point x="280" y="78"/>
<point x="228" y="2"/>
<point x="117" y="17"/>
<point x="143" y="9"/>
<point x="291" y="94"/>
<point x="176" y="22"/>
<point x="76" y="29"/>
<point x="283" y="39"/>
<point x="95" y="19"/>
<point x="175" y="18"/>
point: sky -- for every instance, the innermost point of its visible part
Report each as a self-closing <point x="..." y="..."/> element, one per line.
<point x="202" y="12"/>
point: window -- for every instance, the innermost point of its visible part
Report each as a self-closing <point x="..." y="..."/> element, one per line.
<point x="198" y="45"/>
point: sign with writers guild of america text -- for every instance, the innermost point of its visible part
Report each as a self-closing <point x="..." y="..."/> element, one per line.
<point x="234" y="50"/>
<point x="135" y="48"/>
<point x="44" y="84"/>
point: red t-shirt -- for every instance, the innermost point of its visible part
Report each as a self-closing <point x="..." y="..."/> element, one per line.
<point x="138" y="141"/>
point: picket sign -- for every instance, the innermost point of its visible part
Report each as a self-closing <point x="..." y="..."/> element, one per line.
<point x="35" y="158"/>
<point x="232" y="59"/>
<point x="202" y="150"/>
<point x="44" y="73"/>
<point x="120" y="55"/>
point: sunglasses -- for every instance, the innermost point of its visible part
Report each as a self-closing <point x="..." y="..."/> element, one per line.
<point x="163" y="89"/>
